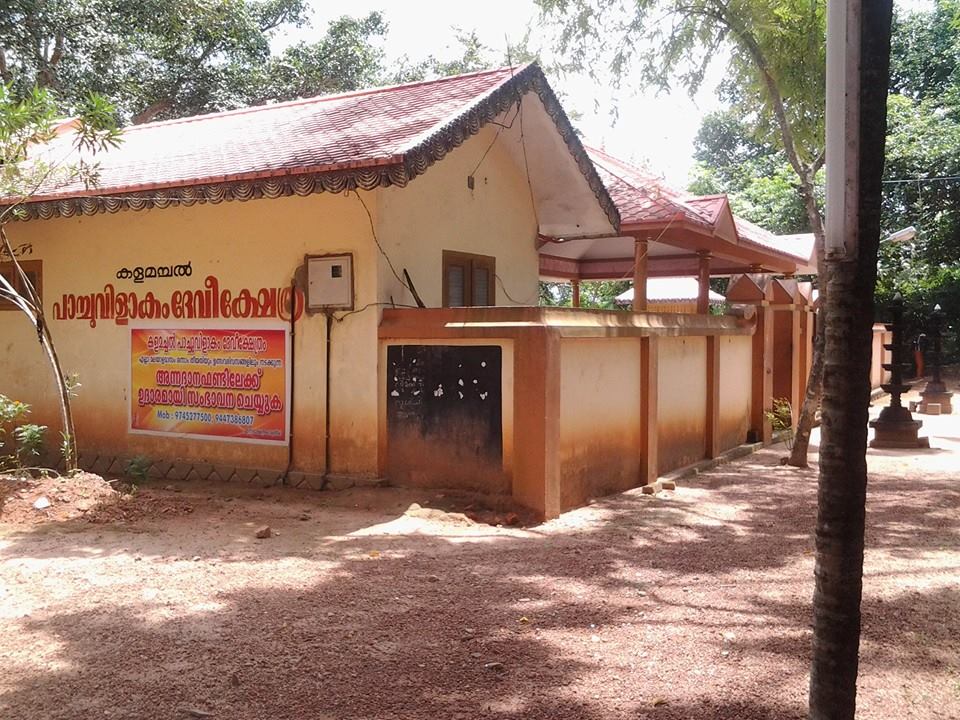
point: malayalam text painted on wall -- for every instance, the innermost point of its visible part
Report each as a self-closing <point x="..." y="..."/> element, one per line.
<point x="218" y="384"/>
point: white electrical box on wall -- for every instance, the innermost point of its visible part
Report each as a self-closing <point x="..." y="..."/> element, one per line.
<point x="330" y="282"/>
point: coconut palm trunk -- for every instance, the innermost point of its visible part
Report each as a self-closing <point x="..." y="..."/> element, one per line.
<point x="846" y="394"/>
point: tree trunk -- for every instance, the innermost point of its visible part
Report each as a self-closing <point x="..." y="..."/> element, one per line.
<point x="66" y="410"/>
<point x="811" y="399"/>
<point x="151" y="111"/>
<point x="846" y="395"/>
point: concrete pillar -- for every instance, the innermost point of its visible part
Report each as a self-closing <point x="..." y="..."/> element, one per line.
<point x="712" y="426"/>
<point x="575" y="284"/>
<point x="536" y="423"/>
<point x="649" y="400"/>
<point x="640" y="249"/>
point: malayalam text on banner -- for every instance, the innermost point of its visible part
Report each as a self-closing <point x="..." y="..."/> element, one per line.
<point x="210" y="383"/>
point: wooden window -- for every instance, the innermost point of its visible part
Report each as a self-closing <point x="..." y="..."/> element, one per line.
<point x="468" y="280"/>
<point x="33" y="269"/>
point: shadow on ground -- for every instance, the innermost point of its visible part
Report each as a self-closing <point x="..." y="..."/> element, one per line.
<point x="691" y="605"/>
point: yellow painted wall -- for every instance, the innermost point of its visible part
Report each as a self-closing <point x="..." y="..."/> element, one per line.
<point x="599" y="417"/>
<point x="258" y="244"/>
<point x="735" y="389"/>
<point x="682" y="402"/>
<point x="437" y="212"/>
<point x="246" y="245"/>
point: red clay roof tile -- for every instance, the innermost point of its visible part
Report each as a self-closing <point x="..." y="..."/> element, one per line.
<point x="357" y="129"/>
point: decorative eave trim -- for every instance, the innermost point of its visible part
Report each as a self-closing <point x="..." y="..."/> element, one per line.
<point x="215" y="193"/>
<point x="415" y="162"/>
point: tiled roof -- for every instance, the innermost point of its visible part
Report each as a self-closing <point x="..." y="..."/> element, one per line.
<point x="799" y="246"/>
<point x="710" y="205"/>
<point x="383" y="136"/>
<point x="641" y="197"/>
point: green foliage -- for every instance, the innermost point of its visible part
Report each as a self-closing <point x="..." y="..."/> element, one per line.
<point x="780" y="417"/>
<point x="19" y="441"/>
<point x="32" y="120"/>
<point x="348" y="57"/>
<point x="594" y="294"/>
<point x="473" y="56"/>
<point x="138" y="467"/>
<point x="777" y="67"/>
<point x="66" y="445"/>
<point x="27" y="121"/>
<point x="923" y="144"/>
<point x="29" y="439"/>
<point x="556" y="294"/>
<point x="11" y="411"/>
<point x="761" y="185"/>
<point x="72" y="382"/>
<point x="154" y="56"/>
<point x="925" y="51"/>
<point x="160" y="59"/>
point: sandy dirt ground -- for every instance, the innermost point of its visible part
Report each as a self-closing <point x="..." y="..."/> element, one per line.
<point x="689" y="605"/>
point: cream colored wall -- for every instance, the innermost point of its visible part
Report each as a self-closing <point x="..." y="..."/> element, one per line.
<point x="246" y="245"/>
<point x="735" y="389"/>
<point x="599" y="417"/>
<point x="437" y="212"/>
<point x="682" y="403"/>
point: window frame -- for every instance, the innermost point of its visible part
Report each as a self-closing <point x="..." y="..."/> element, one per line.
<point x="29" y="266"/>
<point x="469" y="262"/>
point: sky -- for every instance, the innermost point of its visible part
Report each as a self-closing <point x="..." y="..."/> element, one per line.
<point x="654" y="129"/>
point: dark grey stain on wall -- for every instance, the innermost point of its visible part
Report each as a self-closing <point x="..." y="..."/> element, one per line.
<point x="444" y="415"/>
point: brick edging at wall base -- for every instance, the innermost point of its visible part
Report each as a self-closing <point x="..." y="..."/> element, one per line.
<point x="668" y="481"/>
<point x="179" y="470"/>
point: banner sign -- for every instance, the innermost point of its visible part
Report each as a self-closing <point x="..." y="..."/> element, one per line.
<point x="210" y="383"/>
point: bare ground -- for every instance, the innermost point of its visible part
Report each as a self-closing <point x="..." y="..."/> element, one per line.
<point x="689" y="605"/>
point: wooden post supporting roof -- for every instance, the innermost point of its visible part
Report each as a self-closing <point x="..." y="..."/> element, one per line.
<point x="640" y="249"/>
<point x="575" y="284"/>
<point x="756" y="291"/>
<point x="703" y="281"/>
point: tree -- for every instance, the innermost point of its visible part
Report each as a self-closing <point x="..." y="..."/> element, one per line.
<point x="595" y="294"/>
<point x="923" y="154"/>
<point x="775" y="78"/>
<point x="473" y="56"/>
<point x="846" y="391"/>
<point x="923" y="160"/>
<point x="757" y="179"/>
<point x="346" y="58"/>
<point x="25" y="124"/>
<point x="161" y="59"/>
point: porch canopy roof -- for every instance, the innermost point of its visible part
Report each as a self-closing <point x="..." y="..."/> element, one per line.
<point x="679" y="228"/>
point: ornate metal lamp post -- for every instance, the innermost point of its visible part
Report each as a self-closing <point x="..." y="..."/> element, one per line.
<point x="895" y="427"/>
<point x="935" y="393"/>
